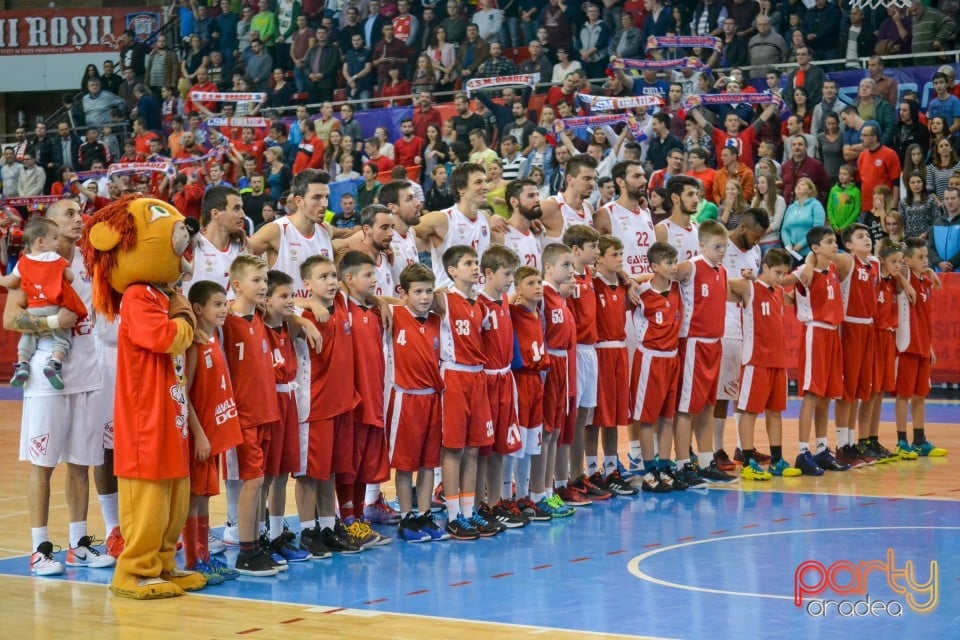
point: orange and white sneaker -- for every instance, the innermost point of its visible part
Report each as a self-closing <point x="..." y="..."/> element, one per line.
<point x="86" y="555"/>
<point x="42" y="562"/>
<point x="115" y="543"/>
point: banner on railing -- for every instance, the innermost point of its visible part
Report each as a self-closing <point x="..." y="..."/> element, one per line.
<point x="64" y="31"/>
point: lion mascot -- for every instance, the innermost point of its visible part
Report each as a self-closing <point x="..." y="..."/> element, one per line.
<point x="133" y="250"/>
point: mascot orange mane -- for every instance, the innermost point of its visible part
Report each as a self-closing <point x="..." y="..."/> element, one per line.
<point x="133" y="250"/>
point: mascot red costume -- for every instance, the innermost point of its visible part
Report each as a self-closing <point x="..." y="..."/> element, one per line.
<point x="133" y="250"/>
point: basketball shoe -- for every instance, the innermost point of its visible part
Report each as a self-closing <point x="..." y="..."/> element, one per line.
<point x="86" y="555"/>
<point x="42" y="561"/>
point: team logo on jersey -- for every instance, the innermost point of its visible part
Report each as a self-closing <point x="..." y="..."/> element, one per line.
<point x="208" y="361"/>
<point x="108" y="435"/>
<point x="38" y="445"/>
<point x="483" y="231"/>
<point x="294" y="254"/>
<point x="208" y="265"/>
<point x="346" y="327"/>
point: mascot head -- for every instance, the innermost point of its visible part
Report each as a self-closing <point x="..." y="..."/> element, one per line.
<point x="132" y="240"/>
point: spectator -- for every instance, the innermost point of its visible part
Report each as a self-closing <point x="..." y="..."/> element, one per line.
<point x="708" y="18"/>
<point x="10" y="173"/>
<point x="32" y="178"/>
<point x="109" y="80"/>
<point x="558" y="26"/>
<point x="465" y="121"/>
<point x="802" y="215"/>
<point x="473" y="53"/>
<point x="944" y="104"/>
<point x="373" y="148"/>
<point x="877" y="165"/>
<point x="300" y="43"/>
<point x="69" y="144"/>
<point x="743" y="12"/>
<point x="196" y="56"/>
<point x="425" y="77"/>
<point x="310" y="150"/>
<point x="830" y="147"/>
<point x="767" y="198"/>
<point x="480" y="153"/>
<point x="395" y="87"/>
<point x="564" y="66"/>
<point x="406" y="27"/>
<point x="872" y="107"/>
<point x="443" y="56"/>
<point x="225" y="25"/>
<point x="943" y="162"/>
<point x="358" y="71"/>
<point x="435" y="151"/>
<point x="931" y="30"/>
<point x="627" y="40"/>
<point x="537" y="62"/>
<point x="202" y="22"/>
<point x="857" y="40"/>
<point x="203" y="84"/>
<point x="894" y="35"/>
<point x="264" y="22"/>
<point x="126" y="89"/>
<point x="350" y="128"/>
<point x="732" y="168"/>
<point x="259" y="67"/>
<point x="829" y="104"/>
<point x="566" y="92"/>
<point x="148" y="107"/>
<point x="454" y="24"/>
<point x="428" y="22"/>
<point x="821" y="24"/>
<point x="279" y="175"/>
<point x="322" y="62"/>
<point x="852" y="124"/>
<point x="594" y="43"/>
<point x="766" y="48"/>
<point x="98" y="103"/>
<point x="697" y="160"/>
<point x="800" y="165"/>
<point x="287" y="13"/>
<point x="734" y="52"/>
<point x="327" y="122"/>
<point x="489" y="21"/>
<point x="661" y="142"/>
<point x="943" y="239"/>
<point x="806" y="75"/>
<point x="909" y="130"/>
<point x="659" y="20"/>
<point x="133" y="53"/>
<point x="918" y="207"/>
<point x="497" y="64"/>
<point x="885" y="86"/>
<point x="162" y="68"/>
<point x="673" y="166"/>
<point x="282" y="91"/>
<point x="387" y="53"/>
<point x="408" y="148"/>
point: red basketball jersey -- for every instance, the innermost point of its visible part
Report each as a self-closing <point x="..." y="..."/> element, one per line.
<point x="497" y="331"/>
<point x="367" y="329"/>
<point x="416" y="350"/>
<point x="885" y="314"/>
<point x="704" y="300"/>
<point x="561" y="329"/>
<point x="763" y="334"/>
<point x="583" y="305"/>
<point x="461" y="339"/>
<point x="821" y="301"/>
<point x="913" y="334"/>
<point x="529" y="345"/>
<point x="332" y="390"/>
<point x="212" y="398"/>
<point x="251" y="369"/>
<point x="859" y="288"/>
<point x="658" y="316"/>
<point x="284" y="355"/>
<point x="611" y="310"/>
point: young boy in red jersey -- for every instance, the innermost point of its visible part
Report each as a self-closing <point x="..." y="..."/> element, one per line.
<point x="358" y="274"/>
<point x="703" y="285"/>
<point x="914" y="341"/>
<point x="656" y="370"/>
<point x="251" y="370"/>
<point x="467" y="424"/>
<point x="333" y="398"/>
<point x="214" y="426"/>
<point x="613" y="395"/>
<point x="582" y="240"/>
<point x="282" y="454"/>
<point x="413" y="410"/>
<point x="885" y="323"/>
<point x="820" y="309"/>
<point x="560" y="334"/>
<point x="763" y="381"/>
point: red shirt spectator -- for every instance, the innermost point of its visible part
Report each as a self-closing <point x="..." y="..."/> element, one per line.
<point x="309" y="152"/>
<point x="408" y="149"/>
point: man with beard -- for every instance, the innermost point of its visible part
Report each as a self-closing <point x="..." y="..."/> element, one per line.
<point x="189" y="148"/>
<point x="679" y="230"/>
<point x="570" y="206"/>
<point x="523" y="198"/>
<point x="220" y="239"/>
<point x="400" y="199"/>
<point x="376" y="232"/>
<point x="465" y="121"/>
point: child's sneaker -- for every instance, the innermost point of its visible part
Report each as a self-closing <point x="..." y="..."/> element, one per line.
<point x="21" y="373"/>
<point x="460" y="528"/>
<point x="42" y="562"/>
<point x="338" y="541"/>
<point x="380" y="512"/>
<point x="807" y="465"/>
<point x="256" y="563"/>
<point x="928" y="449"/>
<point x="208" y="572"/>
<point x="53" y="371"/>
<point x="585" y="487"/>
<point x="724" y="463"/>
<point x="655" y="482"/>
<point x="828" y="463"/>
<point x="85" y="555"/>
<point x="753" y="471"/>
<point x="429" y="526"/>
<point x="311" y="543"/>
<point x="532" y="511"/>
<point x="283" y="547"/>
<point x="230" y="535"/>
<point x="713" y="472"/>
<point x="359" y="530"/>
<point x="485" y="512"/>
<point x="782" y="468"/>
<point x="115" y="542"/>
<point x="554" y="504"/>
<point x="573" y="498"/>
<point x="846" y="456"/>
<point x="215" y="545"/>
<point x="905" y="451"/>
<point x="409" y="530"/>
<point x="220" y="568"/>
<point x="619" y="486"/>
<point x="483" y="527"/>
<point x="507" y="514"/>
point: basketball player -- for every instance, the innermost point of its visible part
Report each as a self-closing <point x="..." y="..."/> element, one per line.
<point x="376" y="232"/>
<point x="399" y="197"/>
<point x="570" y="206"/>
<point x="523" y="198"/>
<point x="220" y="239"/>
<point x="679" y="229"/>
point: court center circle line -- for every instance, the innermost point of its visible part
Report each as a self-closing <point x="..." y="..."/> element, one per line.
<point x="634" y="565"/>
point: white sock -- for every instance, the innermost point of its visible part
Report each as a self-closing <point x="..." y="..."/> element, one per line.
<point x="537" y="497"/>
<point x="635" y="451"/>
<point x="593" y="465"/>
<point x="559" y="484"/>
<point x="609" y="465"/>
<point x="110" y="510"/>
<point x="549" y="492"/>
<point x="276" y="527"/>
<point x="453" y="506"/>
<point x="852" y="438"/>
<point x="719" y="424"/>
<point x="307" y="524"/>
<point x="326" y="522"/>
<point x="523" y="476"/>
<point x="437" y="476"/>
<point x="706" y="457"/>
<point x="262" y="527"/>
<point x="843" y="436"/>
<point x="680" y="463"/>
<point x="373" y="493"/>
<point x="233" y="496"/>
<point x="467" y="503"/>
<point x="39" y="535"/>
<point x="803" y="447"/>
<point x="506" y="486"/>
<point x="821" y="445"/>
<point x="77" y="531"/>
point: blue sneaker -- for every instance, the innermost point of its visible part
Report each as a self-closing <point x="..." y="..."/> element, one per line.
<point x="555" y="506"/>
<point x="906" y="452"/>
<point x="429" y="526"/>
<point x="782" y="468"/>
<point x="927" y="449"/>
<point x="208" y="572"/>
<point x="409" y="530"/>
<point x="807" y="465"/>
<point x="283" y="546"/>
<point x="829" y="463"/>
<point x="220" y="568"/>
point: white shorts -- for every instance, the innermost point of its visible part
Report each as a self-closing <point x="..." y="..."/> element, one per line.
<point x="531" y="442"/>
<point x="57" y="429"/>
<point x="586" y="376"/>
<point x="728" y="385"/>
<point x="302" y="390"/>
<point x="101" y="402"/>
<point x="304" y="429"/>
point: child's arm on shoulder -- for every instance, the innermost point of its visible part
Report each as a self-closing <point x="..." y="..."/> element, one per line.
<point x="439" y="305"/>
<point x="300" y="326"/>
<point x="934" y="279"/>
<point x="318" y="310"/>
<point x="201" y="445"/>
<point x="684" y="271"/>
<point x="738" y="290"/>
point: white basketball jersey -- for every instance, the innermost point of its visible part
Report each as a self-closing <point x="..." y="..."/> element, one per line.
<point x="404" y="253"/>
<point x="461" y="230"/>
<point x="525" y="245"/>
<point x="570" y="217"/>
<point x="736" y="262"/>
<point x="635" y="230"/>
<point x="210" y="263"/>
<point x="295" y="248"/>
<point x="683" y="239"/>
<point x="385" y="282"/>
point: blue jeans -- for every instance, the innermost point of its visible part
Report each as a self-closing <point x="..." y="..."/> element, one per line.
<point x="510" y="33"/>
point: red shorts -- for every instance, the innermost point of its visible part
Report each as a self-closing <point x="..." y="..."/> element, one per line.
<point x="504" y="397"/>
<point x="570" y="424"/>
<point x="413" y="430"/>
<point x="330" y="447"/>
<point x="859" y="360"/>
<point x="369" y="455"/>
<point x="821" y="357"/>
<point x="250" y="461"/>
<point x="653" y="384"/>
<point x="204" y="476"/>
<point x="529" y="410"/>
<point x="913" y="375"/>
<point x="466" y="410"/>
<point x="283" y="451"/>
<point x="762" y="389"/>
<point x="885" y="369"/>
<point x="613" y="387"/>
<point x="555" y="394"/>
<point x="699" y="373"/>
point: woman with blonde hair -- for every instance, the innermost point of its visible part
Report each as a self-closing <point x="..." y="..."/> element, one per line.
<point x="425" y="77"/>
<point x="804" y="213"/>
<point x="733" y="205"/>
<point x="767" y="197"/>
<point x="893" y="228"/>
<point x="882" y="206"/>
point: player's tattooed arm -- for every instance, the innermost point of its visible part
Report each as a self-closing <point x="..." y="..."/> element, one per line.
<point x="16" y="318"/>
